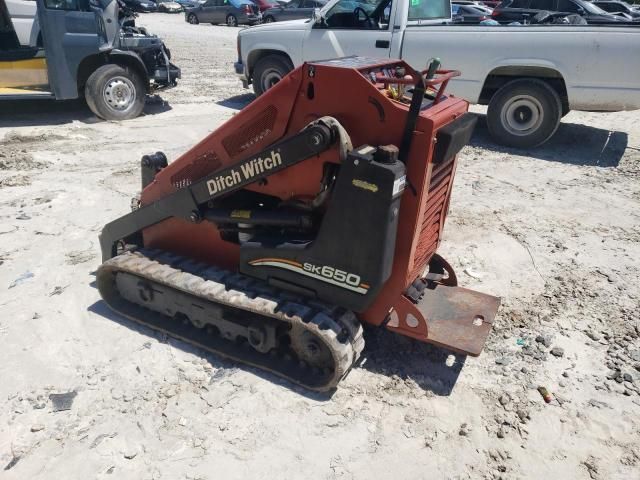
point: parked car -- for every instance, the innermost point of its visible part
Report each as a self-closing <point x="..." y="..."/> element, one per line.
<point x="522" y="10"/>
<point x="470" y="13"/>
<point x="169" y="6"/>
<point x="264" y="5"/>
<point x="143" y="6"/>
<point x="292" y="10"/>
<point x="488" y="3"/>
<point x="527" y="89"/>
<point x="231" y="12"/>
<point x="619" y="6"/>
<point x="189" y="3"/>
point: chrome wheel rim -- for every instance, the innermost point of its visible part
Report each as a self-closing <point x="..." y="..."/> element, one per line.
<point x="119" y="94"/>
<point x="522" y="115"/>
<point x="270" y="78"/>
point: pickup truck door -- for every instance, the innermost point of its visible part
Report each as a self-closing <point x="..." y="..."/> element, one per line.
<point x="352" y="28"/>
<point x="71" y="31"/>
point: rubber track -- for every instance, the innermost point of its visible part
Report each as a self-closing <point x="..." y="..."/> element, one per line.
<point x="339" y="329"/>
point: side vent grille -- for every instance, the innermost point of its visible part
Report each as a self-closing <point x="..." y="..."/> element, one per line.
<point x="202" y="165"/>
<point x="435" y="209"/>
<point x="251" y="132"/>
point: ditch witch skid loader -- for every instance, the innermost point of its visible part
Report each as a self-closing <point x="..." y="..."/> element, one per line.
<point x="271" y="240"/>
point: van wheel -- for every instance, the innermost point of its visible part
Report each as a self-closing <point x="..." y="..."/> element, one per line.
<point x="524" y="113"/>
<point x="193" y="19"/>
<point x="269" y="71"/>
<point x="115" y="93"/>
<point x="232" y="21"/>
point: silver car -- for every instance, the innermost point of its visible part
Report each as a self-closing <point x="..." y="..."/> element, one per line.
<point x="292" y="10"/>
<point x="231" y="12"/>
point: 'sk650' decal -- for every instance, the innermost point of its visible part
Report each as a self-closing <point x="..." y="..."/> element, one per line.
<point x="325" y="273"/>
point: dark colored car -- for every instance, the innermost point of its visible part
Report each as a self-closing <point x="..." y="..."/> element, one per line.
<point x="469" y="13"/>
<point x="292" y="10"/>
<point x="231" y="12"/>
<point x="619" y="7"/>
<point x="523" y="10"/>
<point x="141" y="5"/>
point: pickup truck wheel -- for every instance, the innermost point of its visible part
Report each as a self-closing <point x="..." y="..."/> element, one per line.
<point x="193" y="19"/>
<point x="269" y="71"/>
<point x="269" y="19"/>
<point x="524" y="113"/>
<point x="113" y="92"/>
<point x="232" y="21"/>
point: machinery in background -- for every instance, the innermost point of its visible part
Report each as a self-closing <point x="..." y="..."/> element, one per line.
<point x="319" y="206"/>
<point x="87" y="48"/>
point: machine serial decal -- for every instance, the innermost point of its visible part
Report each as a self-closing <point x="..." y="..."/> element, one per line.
<point x="327" y="274"/>
<point x="247" y="171"/>
<point x="399" y="184"/>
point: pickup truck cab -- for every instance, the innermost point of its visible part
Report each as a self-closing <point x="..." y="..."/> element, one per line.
<point x="529" y="76"/>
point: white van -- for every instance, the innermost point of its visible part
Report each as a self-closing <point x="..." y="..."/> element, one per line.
<point x="25" y="21"/>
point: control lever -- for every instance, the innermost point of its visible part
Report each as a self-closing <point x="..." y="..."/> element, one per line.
<point x="432" y="67"/>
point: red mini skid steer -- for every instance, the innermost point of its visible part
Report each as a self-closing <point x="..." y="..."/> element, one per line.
<point x="317" y="207"/>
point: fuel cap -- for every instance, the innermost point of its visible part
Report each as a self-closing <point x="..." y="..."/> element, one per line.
<point x="386" y="154"/>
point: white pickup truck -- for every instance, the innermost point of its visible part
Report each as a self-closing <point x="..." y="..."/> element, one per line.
<point x="530" y="76"/>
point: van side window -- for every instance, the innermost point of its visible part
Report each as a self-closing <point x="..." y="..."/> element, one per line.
<point x="429" y="9"/>
<point x="61" y="4"/>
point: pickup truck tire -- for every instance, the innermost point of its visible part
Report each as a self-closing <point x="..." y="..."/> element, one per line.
<point x="113" y="92"/>
<point x="524" y="113"/>
<point x="269" y="71"/>
<point x="232" y="21"/>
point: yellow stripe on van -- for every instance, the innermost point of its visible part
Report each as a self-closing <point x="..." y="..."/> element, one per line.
<point x="27" y="73"/>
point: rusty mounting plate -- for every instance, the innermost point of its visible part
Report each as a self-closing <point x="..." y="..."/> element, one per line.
<point x="458" y="318"/>
<point x="448" y="316"/>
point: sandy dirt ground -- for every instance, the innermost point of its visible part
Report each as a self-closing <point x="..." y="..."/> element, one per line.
<point x="554" y="231"/>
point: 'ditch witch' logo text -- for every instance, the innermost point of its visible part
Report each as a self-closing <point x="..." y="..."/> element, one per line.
<point x="247" y="171"/>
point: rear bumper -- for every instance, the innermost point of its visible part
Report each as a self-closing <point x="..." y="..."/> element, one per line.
<point x="251" y="19"/>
